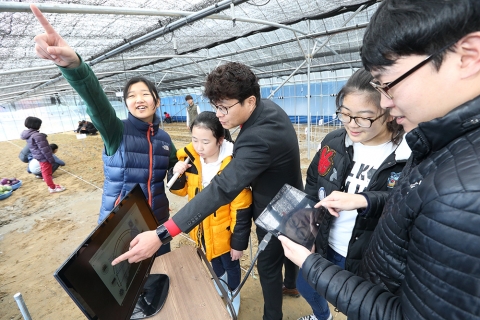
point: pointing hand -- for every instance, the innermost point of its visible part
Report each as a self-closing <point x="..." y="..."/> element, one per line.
<point x="51" y="46"/>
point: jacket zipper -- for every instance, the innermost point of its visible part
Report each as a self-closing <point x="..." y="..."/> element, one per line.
<point x="150" y="163"/>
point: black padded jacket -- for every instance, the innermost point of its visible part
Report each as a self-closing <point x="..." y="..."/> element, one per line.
<point x="330" y="168"/>
<point x="426" y="247"/>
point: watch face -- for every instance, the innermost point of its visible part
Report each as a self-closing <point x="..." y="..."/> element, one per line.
<point x="163" y="234"/>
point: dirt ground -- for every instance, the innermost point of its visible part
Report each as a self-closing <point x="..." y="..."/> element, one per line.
<point x="38" y="230"/>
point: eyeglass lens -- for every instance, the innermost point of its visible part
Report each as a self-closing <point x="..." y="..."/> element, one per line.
<point x="361" y="122"/>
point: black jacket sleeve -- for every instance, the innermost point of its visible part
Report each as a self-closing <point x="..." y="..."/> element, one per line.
<point x="311" y="187"/>
<point x="252" y="157"/>
<point x="354" y="296"/>
<point x="241" y="232"/>
<point x="376" y="201"/>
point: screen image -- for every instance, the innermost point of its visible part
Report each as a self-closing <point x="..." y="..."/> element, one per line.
<point x="291" y="213"/>
<point x="117" y="279"/>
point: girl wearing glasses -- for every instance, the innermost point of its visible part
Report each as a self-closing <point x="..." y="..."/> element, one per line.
<point x="356" y="167"/>
<point x="224" y="234"/>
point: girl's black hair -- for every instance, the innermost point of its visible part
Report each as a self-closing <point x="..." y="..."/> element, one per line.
<point x="359" y="82"/>
<point x="53" y="146"/>
<point x="33" y="123"/>
<point x="148" y="83"/>
<point x="208" y="120"/>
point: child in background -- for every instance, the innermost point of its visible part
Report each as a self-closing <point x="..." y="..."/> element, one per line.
<point x="41" y="150"/>
<point x="168" y="118"/>
<point x="136" y="150"/>
<point x="34" y="165"/>
<point x="224" y="234"/>
<point x="357" y="166"/>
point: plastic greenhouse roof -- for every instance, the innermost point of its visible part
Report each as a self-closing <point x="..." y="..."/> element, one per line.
<point x="176" y="43"/>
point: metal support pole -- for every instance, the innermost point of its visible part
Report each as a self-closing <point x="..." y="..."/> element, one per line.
<point x="21" y="305"/>
<point x="309" y="122"/>
<point x="324" y="44"/>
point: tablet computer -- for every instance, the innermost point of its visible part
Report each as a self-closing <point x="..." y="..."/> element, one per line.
<point x="292" y="213"/>
<point x="100" y="290"/>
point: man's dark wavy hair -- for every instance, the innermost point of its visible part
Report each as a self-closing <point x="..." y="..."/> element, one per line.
<point x="416" y="27"/>
<point x="231" y="81"/>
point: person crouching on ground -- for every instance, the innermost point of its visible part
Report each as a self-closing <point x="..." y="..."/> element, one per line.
<point x="34" y="165"/>
<point x="41" y="150"/>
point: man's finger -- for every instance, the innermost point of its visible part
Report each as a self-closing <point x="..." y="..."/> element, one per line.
<point x="123" y="257"/>
<point x="333" y="212"/>
<point x="43" y="21"/>
<point x="134" y="242"/>
<point x="284" y="240"/>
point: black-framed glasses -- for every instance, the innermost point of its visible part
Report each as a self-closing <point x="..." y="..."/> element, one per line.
<point x="384" y="88"/>
<point x="223" y="109"/>
<point x="360" y="121"/>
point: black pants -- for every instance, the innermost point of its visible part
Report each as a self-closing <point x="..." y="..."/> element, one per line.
<point x="270" y="263"/>
<point x="291" y="273"/>
<point x="89" y="131"/>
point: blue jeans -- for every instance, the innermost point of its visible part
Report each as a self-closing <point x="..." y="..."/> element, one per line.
<point x="316" y="301"/>
<point x="224" y="264"/>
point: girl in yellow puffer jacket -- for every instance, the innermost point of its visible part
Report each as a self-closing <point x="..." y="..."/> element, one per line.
<point x="224" y="234"/>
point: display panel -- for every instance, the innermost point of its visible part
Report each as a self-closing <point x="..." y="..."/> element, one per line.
<point x="100" y="290"/>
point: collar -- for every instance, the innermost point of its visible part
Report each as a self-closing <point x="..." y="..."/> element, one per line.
<point x="142" y="125"/>
<point x="255" y="114"/>
<point x="435" y="134"/>
<point x="402" y="152"/>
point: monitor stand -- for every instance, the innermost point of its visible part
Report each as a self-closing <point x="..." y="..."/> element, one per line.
<point x="153" y="297"/>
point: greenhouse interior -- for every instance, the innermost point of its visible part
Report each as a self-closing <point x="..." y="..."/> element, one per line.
<point x="301" y="51"/>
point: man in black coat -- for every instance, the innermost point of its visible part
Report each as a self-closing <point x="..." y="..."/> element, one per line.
<point x="424" y="258"/>
<point x="265" y="156"/>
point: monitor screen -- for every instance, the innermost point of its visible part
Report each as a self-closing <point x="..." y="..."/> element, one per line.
<point x="103" y="291"/>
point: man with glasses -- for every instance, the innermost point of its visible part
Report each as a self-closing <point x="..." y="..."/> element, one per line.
<point x="424" y="258"/>
<point x="266" y="156"/>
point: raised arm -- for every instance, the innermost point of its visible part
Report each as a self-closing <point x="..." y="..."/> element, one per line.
<point x="51" y="46"/>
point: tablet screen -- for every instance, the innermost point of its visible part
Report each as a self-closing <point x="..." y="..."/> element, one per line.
<point x="100" y="290"/>
<point x="118" y="279"/>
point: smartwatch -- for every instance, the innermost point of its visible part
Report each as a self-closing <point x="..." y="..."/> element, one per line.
<point x="163" y="234"/>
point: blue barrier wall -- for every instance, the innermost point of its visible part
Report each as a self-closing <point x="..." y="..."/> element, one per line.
<point x="291" y="98"/>
<point x="62" y="113"/>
